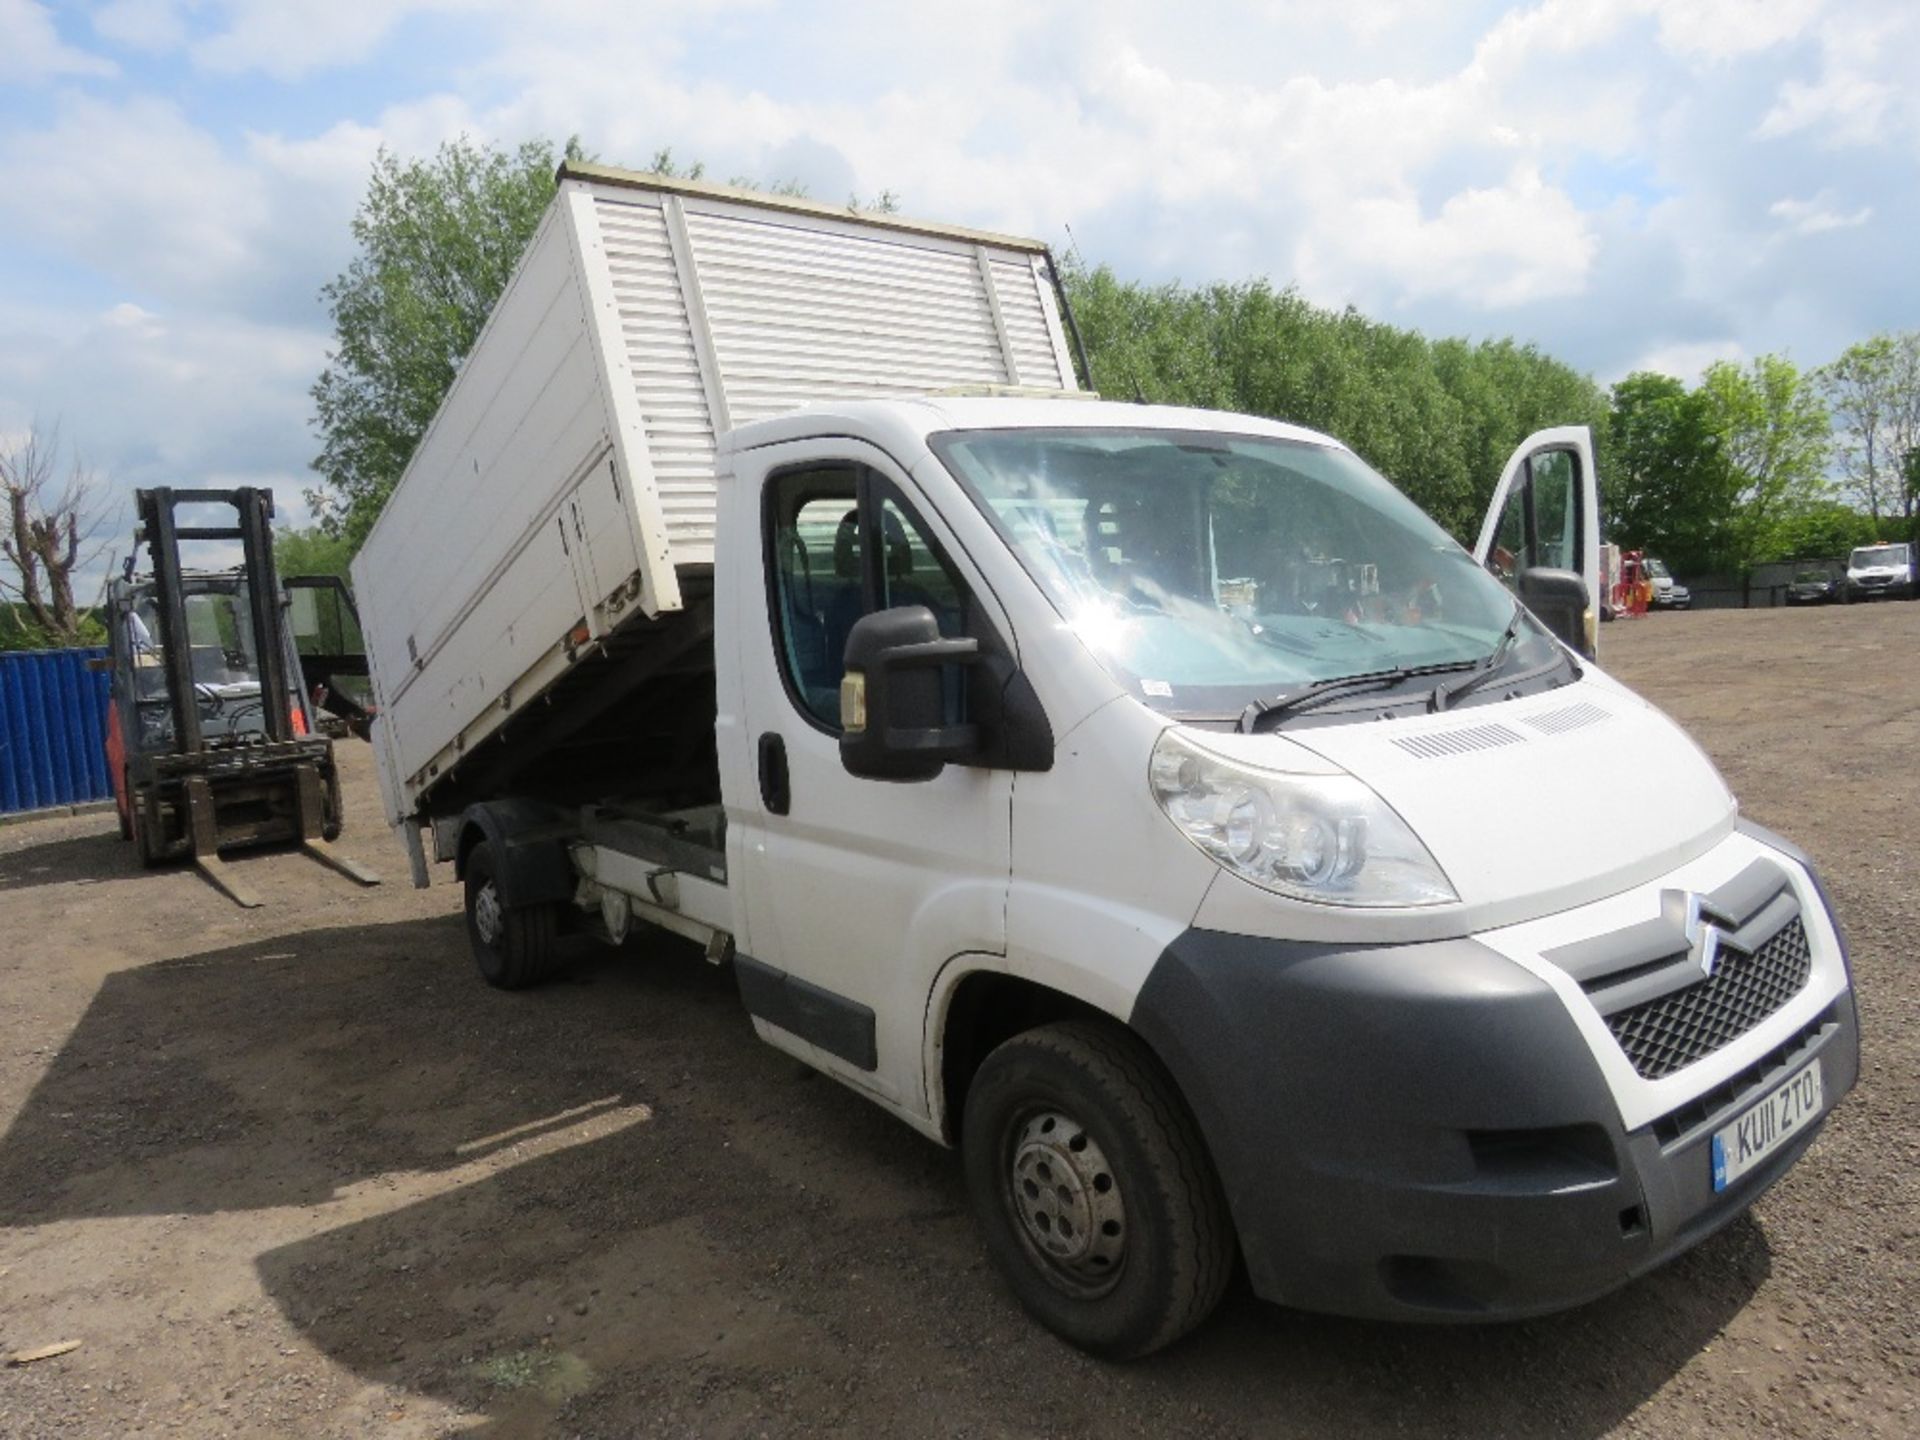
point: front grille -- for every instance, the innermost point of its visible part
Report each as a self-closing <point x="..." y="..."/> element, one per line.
<point x="1783" y="1057"/>
<point x="1675" y="1030"/>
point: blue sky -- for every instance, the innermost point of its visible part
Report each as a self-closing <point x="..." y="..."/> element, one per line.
<point x="1626" y="183"/>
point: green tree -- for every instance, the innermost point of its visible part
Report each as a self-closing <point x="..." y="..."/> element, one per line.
<point x="1437" y="418"/>
<point x="1669" y="489"/>
<point x="437" y="241"/>
<point x="312" y="551"/>
<point x="1910" y="486"/>
<point x="1821" y="529"/>
<point x="1774" y="434"/>
<point x="1873" y="390"/>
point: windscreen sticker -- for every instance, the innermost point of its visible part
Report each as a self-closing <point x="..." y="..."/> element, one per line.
<point x="1160" y="689"/>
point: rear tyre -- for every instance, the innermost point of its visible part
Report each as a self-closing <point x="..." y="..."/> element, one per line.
<point x="1093" y="1189"/>
<point x="123" y="806"/>
<point x="513" y="947"/>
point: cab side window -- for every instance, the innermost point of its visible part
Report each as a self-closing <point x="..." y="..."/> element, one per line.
<point x="916" y="573"/>
<point x="1540" y="523"/>
<point x="1556" y="509"/>
<point x="815" y="584"/>
<point x="842" y="543"/>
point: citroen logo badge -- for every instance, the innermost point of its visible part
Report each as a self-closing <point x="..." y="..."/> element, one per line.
<point x="1687" y="909"/>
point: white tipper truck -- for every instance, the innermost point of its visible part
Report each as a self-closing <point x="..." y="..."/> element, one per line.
<point x="1152" y="803"/>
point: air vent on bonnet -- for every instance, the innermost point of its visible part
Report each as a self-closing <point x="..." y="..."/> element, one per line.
<point x="1458" y="742"/>
<point x="1468" y="738"/>
<point x="1570" y="717"/>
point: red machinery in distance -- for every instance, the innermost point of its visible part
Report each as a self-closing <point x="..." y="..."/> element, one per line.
<point x="1629" y="588"/>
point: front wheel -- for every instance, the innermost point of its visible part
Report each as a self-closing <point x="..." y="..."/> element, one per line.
<point x="149" y="847"/>
<point x="513" y="947"/>
<point x="1094" y="1190"/>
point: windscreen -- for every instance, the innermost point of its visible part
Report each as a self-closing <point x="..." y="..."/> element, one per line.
<point x="222" y="656"/>
<point x="1209" y="570"/>
<point x="1874" y="556"/>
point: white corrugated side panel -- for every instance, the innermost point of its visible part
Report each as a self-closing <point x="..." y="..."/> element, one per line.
<point x="728" y="313"/>
<point x="658" y="342"/>
<point x="464" y="580"/>
<point x="1033" y="323"/>
<point x="802" y="312"/>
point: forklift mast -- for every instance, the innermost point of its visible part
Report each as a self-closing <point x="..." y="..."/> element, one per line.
<point x="162" y="535"/>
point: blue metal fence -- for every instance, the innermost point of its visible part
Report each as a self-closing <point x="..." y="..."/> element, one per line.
<point x="53" y="730"/>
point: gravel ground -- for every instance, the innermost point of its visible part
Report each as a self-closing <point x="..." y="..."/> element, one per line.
<point x="296" y="1171"/>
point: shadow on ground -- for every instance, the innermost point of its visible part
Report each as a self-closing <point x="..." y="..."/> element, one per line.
<point x="657" y="1283"/>
<point x="742" y="1247"/>
<point x="279" y="1072"/>
<point x="101" y="856"/>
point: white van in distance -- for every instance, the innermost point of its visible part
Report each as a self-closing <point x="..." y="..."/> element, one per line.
<point x="1152" y="803"/>
<point x="1877" y="570"/>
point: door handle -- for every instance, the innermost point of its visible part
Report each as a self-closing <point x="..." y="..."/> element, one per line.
<point x="775" y="793"/>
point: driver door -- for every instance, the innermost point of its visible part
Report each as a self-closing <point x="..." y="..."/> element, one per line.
<point x="1545" y="516"/>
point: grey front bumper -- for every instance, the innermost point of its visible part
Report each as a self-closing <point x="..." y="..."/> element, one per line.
<point x="1421" y="1132"/>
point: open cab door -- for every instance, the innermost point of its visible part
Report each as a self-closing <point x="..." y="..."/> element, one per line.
<point x="332" y="652"/>
<point x="1542" y="533"/>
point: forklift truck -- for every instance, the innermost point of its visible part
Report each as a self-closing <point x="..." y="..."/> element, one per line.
<point x="212" y="740"/>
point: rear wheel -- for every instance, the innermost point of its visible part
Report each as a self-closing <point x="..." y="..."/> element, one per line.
<point x="513" y="947"/>
<point x="1095" y="1193"/>
<point x="123" y="806"/>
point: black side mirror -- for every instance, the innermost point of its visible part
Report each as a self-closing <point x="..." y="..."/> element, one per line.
<point x="893" y="711"/>
<point x="1558" y="599"/>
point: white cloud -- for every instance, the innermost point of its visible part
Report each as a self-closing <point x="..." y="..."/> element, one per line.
<point x="151" y="25"/>
<point x="1812" y="217"/>
<point x="1507" y="245"/>
<point x="1688" y="361"/>
<point x="1851" y="109"/>
<point x="149" y="398"/>
<point x="290" y="38"/>
<point x="1863" y="93"/>
<point x="31" y="49"/>
<point x="1728" y="29"/>
<point x="134" y="189"/>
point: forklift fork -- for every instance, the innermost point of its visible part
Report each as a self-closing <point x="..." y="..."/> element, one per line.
<point x="311" y="820"/>
<point x="203" y="834"/>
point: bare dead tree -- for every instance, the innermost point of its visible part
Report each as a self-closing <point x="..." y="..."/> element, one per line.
<point x="47" y="525"/>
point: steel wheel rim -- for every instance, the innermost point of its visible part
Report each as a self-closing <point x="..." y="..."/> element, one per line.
<point x="1066" y="1201"/>
<point x="486" y="913"/>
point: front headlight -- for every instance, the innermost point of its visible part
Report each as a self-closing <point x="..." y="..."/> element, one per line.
<point x="1326" y="838"/>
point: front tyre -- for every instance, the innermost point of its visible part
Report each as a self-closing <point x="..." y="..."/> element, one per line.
<point x="513" y="947"/>
<point x="1093" y="1189"/>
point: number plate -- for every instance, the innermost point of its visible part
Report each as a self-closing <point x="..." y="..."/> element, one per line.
<point x="1784" y="1112"/>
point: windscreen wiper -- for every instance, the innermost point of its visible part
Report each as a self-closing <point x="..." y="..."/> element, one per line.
<point x="1292" y="702"/>
<point x="1445" y="693"/>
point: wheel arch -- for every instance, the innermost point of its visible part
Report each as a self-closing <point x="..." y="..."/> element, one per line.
<point x="528" y="840"/>
<point x="980" y="1001"/>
